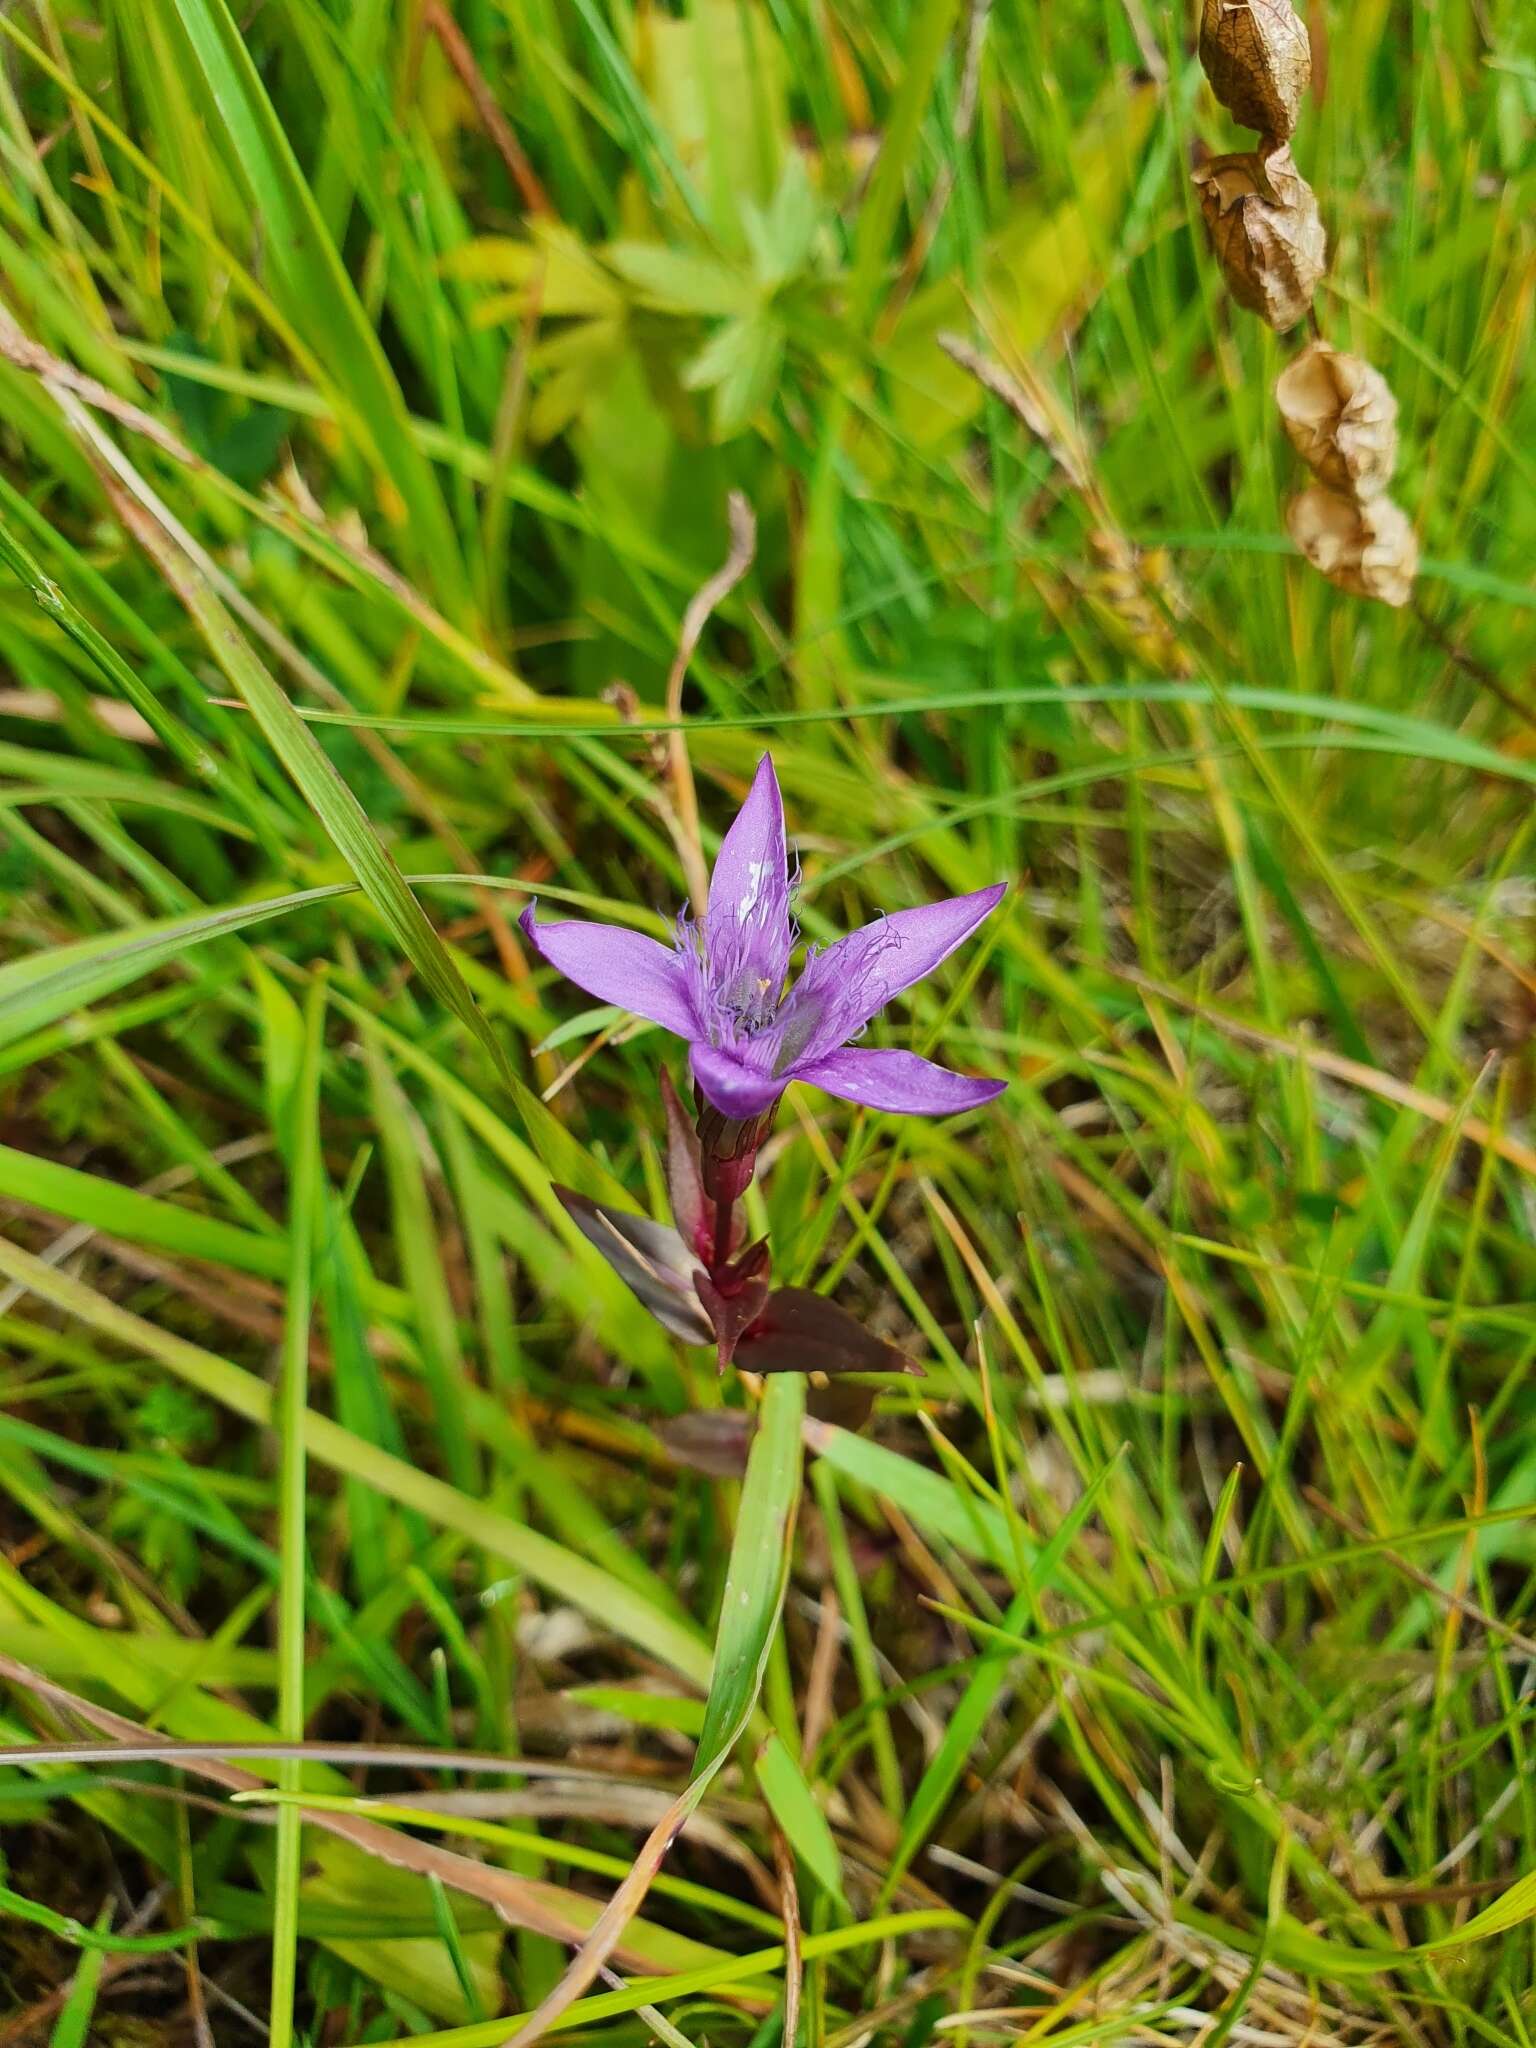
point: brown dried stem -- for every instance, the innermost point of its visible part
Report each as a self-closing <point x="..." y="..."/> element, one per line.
<point x="685" y="827"/>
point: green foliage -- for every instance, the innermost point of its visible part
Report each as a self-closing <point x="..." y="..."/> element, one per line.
<point x="1159" y="1660"/>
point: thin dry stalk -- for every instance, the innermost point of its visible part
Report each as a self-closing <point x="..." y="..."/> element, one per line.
<point x="685" y="823"/>
<point x="22" y="353"/>
<point x="789" y="1907"/>
<point x="450" y="36"/>
<point x="1353" y="1072"/>
<point x="1456" y="1604"/>
<point x="817" y="1717"/>
<point x="1130" y="586"/>
<point x="522" y="1902"/>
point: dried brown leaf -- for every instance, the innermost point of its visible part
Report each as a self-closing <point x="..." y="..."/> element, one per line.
<point x="1259" y="61"/>
<point x="1365" y="546"/>
<point x="1341" y="419"/>
<point x="1267" y="233"/>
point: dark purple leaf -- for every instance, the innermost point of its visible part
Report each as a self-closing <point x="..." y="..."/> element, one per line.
<point x="847" y="1403"/>
<point x="730" y="1310"/>
<point x="752" y="1264"/>
<point x="691" y="1211"/>
<point x="803" y="1332"/>
<point x="650" y="1258"/>
<point x="712" y="1440"/>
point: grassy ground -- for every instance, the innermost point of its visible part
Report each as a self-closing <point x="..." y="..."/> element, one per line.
<point x="1156" y="1669"/>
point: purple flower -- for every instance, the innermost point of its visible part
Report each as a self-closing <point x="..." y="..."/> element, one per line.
<point x="721" y="986"/>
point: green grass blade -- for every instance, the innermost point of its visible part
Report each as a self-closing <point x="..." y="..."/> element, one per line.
<point x="305" y="1207"/>
<point x="314" y="289"/>
<point x="569" y="1577"/>
<point x="41" y="988"/>
<point x="964" y="1727"/>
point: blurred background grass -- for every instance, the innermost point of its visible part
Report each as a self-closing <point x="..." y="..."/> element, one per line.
<point x="373" y="380"/>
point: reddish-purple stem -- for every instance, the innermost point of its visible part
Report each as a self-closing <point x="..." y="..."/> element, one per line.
<point x="724" y="1209"/>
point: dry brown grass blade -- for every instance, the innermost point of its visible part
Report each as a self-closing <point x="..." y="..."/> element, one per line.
<point x="23" y="353"/>
<point x="1456" y="1604"/>
<point x="42" y="707"/>
<point x="789" y="1907"/>
<point x="605" y="1938"/>
<point x="436" y="17"/>
<point x="1028" y="407"/>
<point x="1355" y="1073"/>
<point x="521" y="1902"/>
<point x="743" y="524"/>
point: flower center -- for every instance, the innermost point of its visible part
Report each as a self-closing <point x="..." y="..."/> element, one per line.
<point x="736" y="981"/>
<point x="737" y="977"/>
<point x="751" y="1000"/>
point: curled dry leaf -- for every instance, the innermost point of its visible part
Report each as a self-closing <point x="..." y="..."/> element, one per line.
<point x="1259" y="62"/>
<point x="1341" y="418"/>
<point x="1365" y="546"/>
<point x="1267" y="233"/>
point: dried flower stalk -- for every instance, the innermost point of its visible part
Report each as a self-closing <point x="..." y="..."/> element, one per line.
<point x="1266" y="231"/>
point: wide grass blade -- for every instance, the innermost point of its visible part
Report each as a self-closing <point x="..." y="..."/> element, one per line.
<point x="761" y="1551"/>
<point x="569" y="1577"/>
<point x="313" y="286"/>
<point x="41" y="988"/>
<point x="305" y="1208"/>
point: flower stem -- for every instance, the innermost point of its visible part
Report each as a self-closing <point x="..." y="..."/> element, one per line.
<point x="724" y="1210"/>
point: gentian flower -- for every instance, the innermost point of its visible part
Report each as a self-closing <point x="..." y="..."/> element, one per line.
<point x="723" y="986"/>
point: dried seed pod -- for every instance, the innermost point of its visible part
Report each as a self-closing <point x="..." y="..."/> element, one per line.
<point x="1365" y="546"/>
<point x="1266" y="231"/>
<point x="1259" y="62"/>
<point x="1341" y="418"/>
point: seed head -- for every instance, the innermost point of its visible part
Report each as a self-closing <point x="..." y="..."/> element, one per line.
<point x="1266" y="231"/>
<point x="1365" y="546"/>
<point x="1259" y="62"/>
<point x="1341" y="418"/>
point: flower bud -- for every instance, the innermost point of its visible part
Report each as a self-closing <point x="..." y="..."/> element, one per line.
<point x="1259" y="62"/>
<point x="1266" y="231"/>
<point x="1341" y="418"/>
<point x="1365" y="546"/>
<point x="728" y="1152"/>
